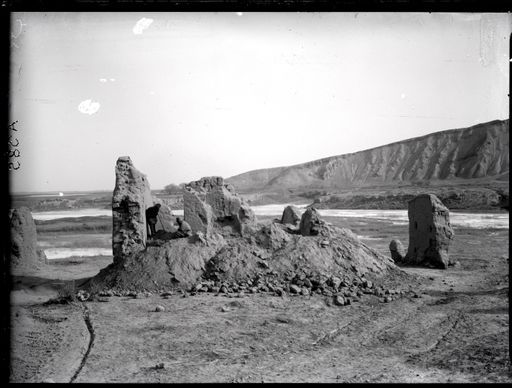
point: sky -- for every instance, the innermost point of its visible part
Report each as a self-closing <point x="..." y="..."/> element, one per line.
<point x="188" y="95"/>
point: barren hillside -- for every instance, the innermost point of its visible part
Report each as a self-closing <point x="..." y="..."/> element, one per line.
<point x="476" y="152"/>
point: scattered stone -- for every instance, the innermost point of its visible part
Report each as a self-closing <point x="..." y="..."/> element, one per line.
<point x="304" y="291"/>
<point x="103" y="299"/>
<point x="225" y="309"/>
<point x="82" y="295"/>
<point x="294" y="289"/>
<point x="160" y="366"/>
<point x="307" y="283"/>
<point x="430" y="232"/>
<point x="388" y="299"/>
<point x="397" y="251"/>
<point x="335" y="282"/>
<point x="339" y="301"/>
<point x="159" y="309"/>
<point x="368" y="284"/>
<point x="197" y="287"/>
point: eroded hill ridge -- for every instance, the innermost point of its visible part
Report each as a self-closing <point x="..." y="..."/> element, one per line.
<point x="469" y="153"/>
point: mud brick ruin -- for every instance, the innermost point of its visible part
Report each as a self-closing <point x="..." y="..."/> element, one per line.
<point x="430" y="232"/>
<point x="24" y="252"/>
<point x="228" y="243"/>
<point x="209" y="200"/>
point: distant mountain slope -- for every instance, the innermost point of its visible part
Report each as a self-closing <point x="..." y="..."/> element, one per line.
<point x="475" y="152"/>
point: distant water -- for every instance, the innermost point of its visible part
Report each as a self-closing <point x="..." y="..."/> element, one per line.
<point x="398" y="217"/>
<point x="53" y="195"/>
<point x="61" y="253"/>
<point x="75" y="213"/>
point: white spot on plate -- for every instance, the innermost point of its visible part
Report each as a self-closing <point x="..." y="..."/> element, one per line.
<point x="89" y="107"/>
<point x="402" y="96"/>
<point x="239" y="13"/>
<point x="103" y="80"/>
<point x="61" y="194"/>
<point x="112" y="79"/>
<point x="141" y="25"/>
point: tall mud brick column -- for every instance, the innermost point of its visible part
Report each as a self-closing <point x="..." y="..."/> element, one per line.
<point x="131" y="198"/>
<point x="430" y="232"/>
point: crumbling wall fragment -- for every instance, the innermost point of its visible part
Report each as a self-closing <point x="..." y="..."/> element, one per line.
<point x="310" y="222"/>
<point x="209" y="202"/>
<point x="130" y="199"/>
<point x="430" y="232"/>
<point x="165" y="218"/>
<point x="291" y="215"/>
<point x="24" y="252"/>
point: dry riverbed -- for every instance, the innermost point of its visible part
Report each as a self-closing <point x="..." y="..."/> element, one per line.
<point x="456" y="331"/>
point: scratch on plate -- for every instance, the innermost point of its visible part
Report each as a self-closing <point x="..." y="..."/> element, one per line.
<point x="487" y="40"/>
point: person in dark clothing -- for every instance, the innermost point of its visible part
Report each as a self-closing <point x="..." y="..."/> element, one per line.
<point x="151" y="218"/>
<point x="184" y="229"/>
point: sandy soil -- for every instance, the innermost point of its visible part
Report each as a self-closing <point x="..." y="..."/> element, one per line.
<point x="456" y="331"/>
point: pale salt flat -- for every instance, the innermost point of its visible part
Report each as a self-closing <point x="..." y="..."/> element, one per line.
<point x="61" y="253"/>
<point x="75" y="213"/>
<point x="397" y="217"/>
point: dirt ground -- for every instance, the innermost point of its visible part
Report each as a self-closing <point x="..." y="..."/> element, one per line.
<point x="456" y="331"/>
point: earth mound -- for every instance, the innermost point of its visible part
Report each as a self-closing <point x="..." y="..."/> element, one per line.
<point x="230" y="247"/>
<point x="24" y="253"/>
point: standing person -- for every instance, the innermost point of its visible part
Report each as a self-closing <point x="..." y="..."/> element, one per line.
<point x="184" y="229"/>
<point x="151" y="218"/>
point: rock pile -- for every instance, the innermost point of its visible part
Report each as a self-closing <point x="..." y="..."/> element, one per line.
<point x="430" y="232"/>
<point x="24" y="253"/>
